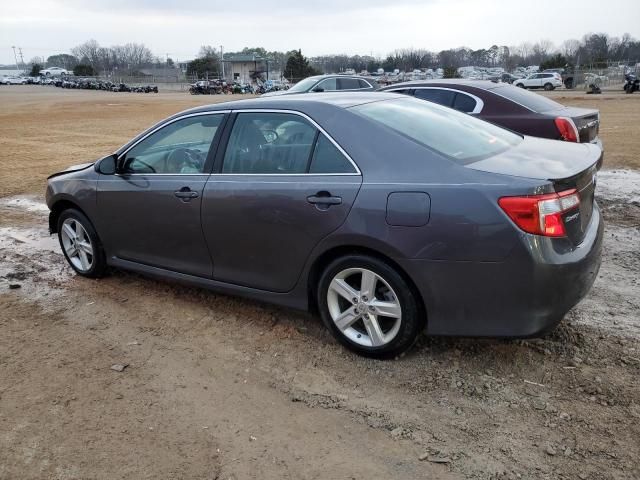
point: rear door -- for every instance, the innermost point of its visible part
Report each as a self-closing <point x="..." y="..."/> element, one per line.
<point x="280" y="186"/>
<point x="150" y="211"/>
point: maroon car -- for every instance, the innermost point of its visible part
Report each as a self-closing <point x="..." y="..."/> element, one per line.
<point x="508" y="106"/>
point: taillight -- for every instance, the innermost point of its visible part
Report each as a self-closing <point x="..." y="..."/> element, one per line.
<point x="567" y="129"/>
<point x="541" y="214"/>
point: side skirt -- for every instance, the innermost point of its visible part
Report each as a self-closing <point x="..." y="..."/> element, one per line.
<point x="290" y="299"/>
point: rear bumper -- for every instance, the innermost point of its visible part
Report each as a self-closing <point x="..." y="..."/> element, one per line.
<point x="597" y="142"/>
<point x="526" y="295"/>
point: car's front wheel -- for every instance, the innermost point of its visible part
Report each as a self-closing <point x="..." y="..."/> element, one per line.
<point x="368" y="306"/>
<point x="80" y="244"/>
<point x="521" y="85"/>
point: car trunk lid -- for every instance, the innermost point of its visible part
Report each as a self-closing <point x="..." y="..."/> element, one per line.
<point x="565" y="165"/>
<point x="586" y="120"/>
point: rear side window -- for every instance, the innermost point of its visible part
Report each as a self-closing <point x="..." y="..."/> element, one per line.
<point x="460" y="137"/>
<point x="363" y="84"/>
<point x="436" y="95"/>
<point x="269" y="143"/>
<point x="527" y="99"/>
<point x="348" y="84"/>
<point x="464" y="103"/>
<point x="328" y="159"/>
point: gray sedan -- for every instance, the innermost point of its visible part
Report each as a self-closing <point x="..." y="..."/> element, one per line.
<point x="388" y="215"/>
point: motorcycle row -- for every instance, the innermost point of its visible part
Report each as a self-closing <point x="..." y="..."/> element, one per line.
<point x="94" y="84"/>
<point x="217" y="87"/>
<point x="631" y="83"/>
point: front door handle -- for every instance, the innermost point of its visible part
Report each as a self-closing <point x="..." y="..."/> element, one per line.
<point x="186" y="194"/>
<point x="324" y="200"/>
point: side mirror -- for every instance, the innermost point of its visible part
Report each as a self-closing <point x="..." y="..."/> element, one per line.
<point x="107" y="166"/>
<point x="318" y="89"/>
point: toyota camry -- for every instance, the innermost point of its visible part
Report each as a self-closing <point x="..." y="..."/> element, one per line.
<point x="388" y="215"/>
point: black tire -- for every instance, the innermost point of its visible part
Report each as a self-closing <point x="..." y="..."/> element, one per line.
<point x="412" y="321"/>
<point x="99" y="262"/>
<point x="548" y="87"/>
<point x="568" y="83"/>
<point x="520" y="85"/>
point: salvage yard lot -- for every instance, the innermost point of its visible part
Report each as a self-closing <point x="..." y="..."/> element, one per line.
<point x="219" y="387"/>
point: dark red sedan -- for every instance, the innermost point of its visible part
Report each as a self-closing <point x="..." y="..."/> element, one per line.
<point x="508" y="106"/>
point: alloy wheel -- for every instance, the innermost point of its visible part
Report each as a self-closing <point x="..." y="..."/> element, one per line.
<point x="77" y="245"/>
<point x="364" y="307"/>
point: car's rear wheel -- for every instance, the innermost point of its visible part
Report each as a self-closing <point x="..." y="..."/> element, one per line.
<point x="368" y="306"/>
<point x="80" y="244"/>
<point x="548" y="86"/>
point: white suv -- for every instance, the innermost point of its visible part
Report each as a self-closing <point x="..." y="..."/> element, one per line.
<point x="548" y="81"/>
<point x="53" y="71"/>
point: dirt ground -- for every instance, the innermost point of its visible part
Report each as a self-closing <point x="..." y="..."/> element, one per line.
<point x="217" y="387"/>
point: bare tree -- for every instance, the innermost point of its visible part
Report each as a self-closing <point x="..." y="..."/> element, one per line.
<point x="569" y="48"/>
<point x="87" y="52"/>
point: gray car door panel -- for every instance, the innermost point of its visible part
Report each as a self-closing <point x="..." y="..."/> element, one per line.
<point x="145" y="221"/>
<point x="261" y="228"/>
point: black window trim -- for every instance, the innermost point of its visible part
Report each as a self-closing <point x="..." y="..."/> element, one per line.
<point x="224" y="142"/>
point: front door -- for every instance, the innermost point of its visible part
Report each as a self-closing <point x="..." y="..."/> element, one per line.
<point x="281" y="187"/>
<point x="150" y="211"/>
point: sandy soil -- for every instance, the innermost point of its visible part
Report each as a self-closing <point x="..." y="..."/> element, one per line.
<point x="221" y="388"/>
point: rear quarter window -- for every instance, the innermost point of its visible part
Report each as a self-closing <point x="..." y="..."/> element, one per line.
<point x="455" y="135"/>
<point x="532" y="101"/>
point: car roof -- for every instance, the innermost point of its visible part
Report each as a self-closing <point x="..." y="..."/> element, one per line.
<point x="482" y="84"/>
<point x="300" y="102"/>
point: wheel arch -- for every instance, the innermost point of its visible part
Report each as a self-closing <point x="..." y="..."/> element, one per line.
<point x="328" y="256"/>
<point x="60" y="206"/>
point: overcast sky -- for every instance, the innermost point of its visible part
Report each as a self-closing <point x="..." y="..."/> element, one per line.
<point x="47" y="27"/>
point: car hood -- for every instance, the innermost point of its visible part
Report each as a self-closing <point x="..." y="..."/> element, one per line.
<point x="542" y="159"/>
<point x="72" y="168"/>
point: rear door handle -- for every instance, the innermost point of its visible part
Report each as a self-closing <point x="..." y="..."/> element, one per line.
<point x="324" y="198"/>
<point x="186" y="194"/>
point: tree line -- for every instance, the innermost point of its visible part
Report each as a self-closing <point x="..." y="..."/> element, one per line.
<point x="594" y="49"/>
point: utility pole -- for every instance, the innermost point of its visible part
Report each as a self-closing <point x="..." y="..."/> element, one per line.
<point x="15" y="57"/>
<point x="222" y="60"/>
<point x="21" y="57"/>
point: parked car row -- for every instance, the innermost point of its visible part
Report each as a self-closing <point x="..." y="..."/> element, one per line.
<point x="388" y="214"/>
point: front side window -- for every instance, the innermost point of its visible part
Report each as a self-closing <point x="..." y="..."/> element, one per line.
<point x="269" y="143"/>
<point x="181" y="147"/>
<point x="304" y="85"/>
<point x="460" y="137"/>
<point x="328" y="85"/>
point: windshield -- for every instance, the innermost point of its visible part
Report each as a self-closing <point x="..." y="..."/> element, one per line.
<point x="459" y="136"/>
<point x="303" y="85"/>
